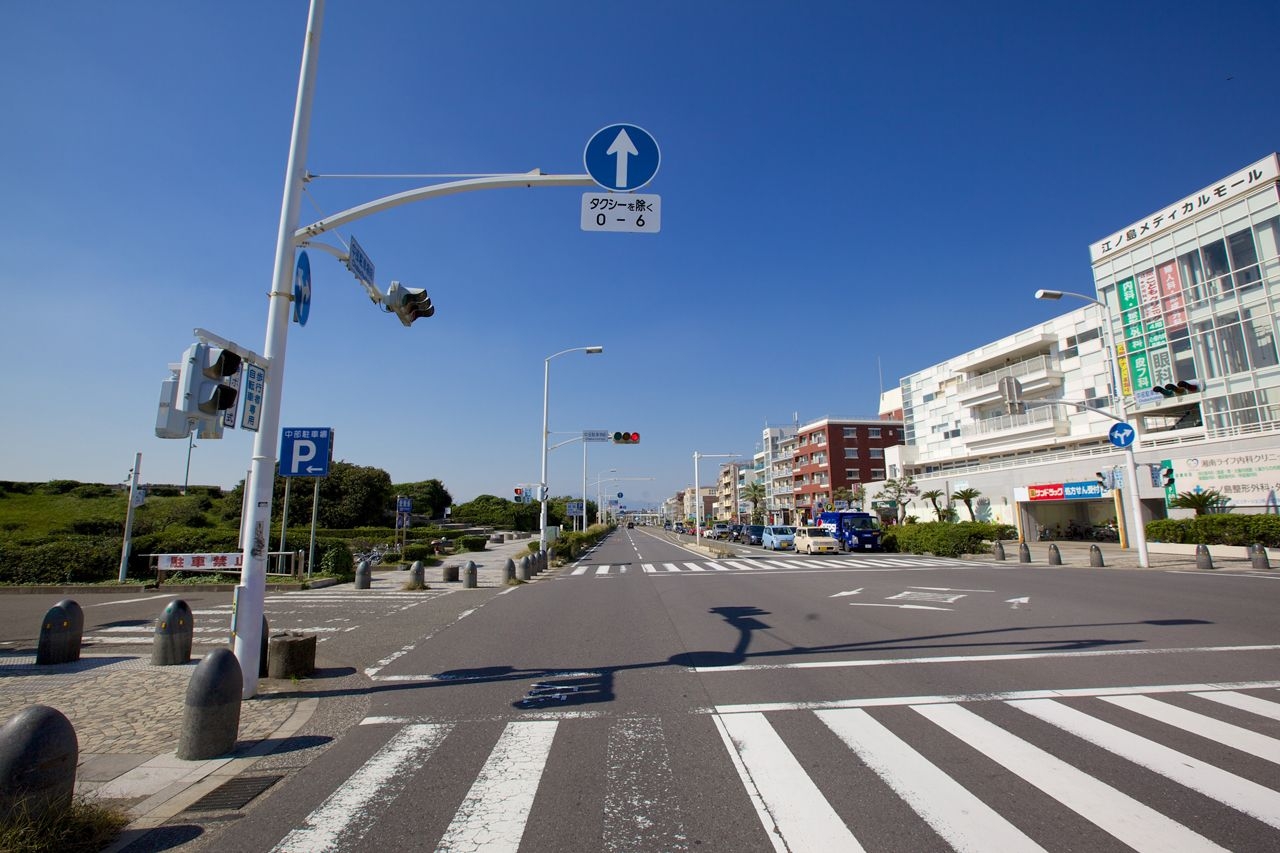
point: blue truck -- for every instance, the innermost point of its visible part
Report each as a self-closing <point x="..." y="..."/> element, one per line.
<point x="856" y="531"/>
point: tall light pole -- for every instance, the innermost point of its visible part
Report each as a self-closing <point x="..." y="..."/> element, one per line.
<point x="546" y="384"/>
<point x="697" y="495"/>
<point x="1130" y="464"/>
<point x="186" y="478"/>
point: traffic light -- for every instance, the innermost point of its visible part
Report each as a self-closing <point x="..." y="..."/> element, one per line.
<point x="171" y="422"/>
<point x="1106" y="480"/>
<point x="626" y="438"/>
<point x="203" y="392"/>
<point x="1166" y="477"/>
<point x="409" y="303"/>
<point x="1186" y="386"/>
<point x="519" y="498"/>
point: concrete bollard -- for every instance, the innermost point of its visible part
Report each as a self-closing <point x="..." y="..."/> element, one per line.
<point x="1258" y="556"/>
<point x="211" y="714"/>
<point x="291" y="655"/>
<point x="468" y="575"/>
<point x="1095" y="557"/>
<point x="525" y="570"/>
<point x="509" y="571"/>
<point x="60" y="634"/>
<point x="364" y="575"/>
<point x="998" y="550"/>
<point x="449" y="573"/>
<point x="1055" y="556"/>
<point x="1204" y="560"/>
<point x="1024" y="553"/>
<point x="38" y="755"/>
<point x="417" y="574"/>
<point x="174" y="629"/>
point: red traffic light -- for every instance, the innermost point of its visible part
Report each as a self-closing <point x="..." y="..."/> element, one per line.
<point x="626" y="438"/>
<point x="519" y="492"/>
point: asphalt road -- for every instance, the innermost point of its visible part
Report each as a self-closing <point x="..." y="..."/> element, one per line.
<point x="652" y="699"/>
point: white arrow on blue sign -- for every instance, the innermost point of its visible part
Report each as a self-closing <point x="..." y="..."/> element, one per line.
<point x="302" y="290"/>
<point x="305" y="451"/>
<point x="1121" y="435"/>
<point x="622" y="157"/>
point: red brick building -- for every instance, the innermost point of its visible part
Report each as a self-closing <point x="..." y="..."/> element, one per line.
<point x="839" y="454"/>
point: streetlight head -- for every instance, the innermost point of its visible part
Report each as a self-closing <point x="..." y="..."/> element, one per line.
<point x="1048" y="294"/>
<point x="594" y="350"/>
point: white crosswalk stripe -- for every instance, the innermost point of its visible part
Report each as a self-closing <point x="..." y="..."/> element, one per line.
<point x="759" y="564"/>
<point x="801" y="808"/>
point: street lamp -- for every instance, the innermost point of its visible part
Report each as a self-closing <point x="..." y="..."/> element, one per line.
<point x="697" y="497"/>
<point x="546" y="380"/>
<point x="1130" y="464"/>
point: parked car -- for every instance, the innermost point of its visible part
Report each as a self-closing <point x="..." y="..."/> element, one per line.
<point x="779" y="537"/>
<point x="679" y="528"/>
<point x="815" y="540"/>
<point x="751" y="534"/>
<point x="719" y="530"/>
<point x="735" y="532"/>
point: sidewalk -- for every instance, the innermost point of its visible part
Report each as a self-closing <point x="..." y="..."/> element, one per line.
<point x="1160" y="557"/>
<point x="127" y="714"/>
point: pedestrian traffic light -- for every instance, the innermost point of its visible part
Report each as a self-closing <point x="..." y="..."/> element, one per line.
<point x="171" y="422"/>
<point x="1186" y="386"/>
<point x="1166" y="477"/>
<point x="519" y="498"/>
<point x="1106" y="480"/>
<point x="626" y="438"/>
<point x="203" y="392"/>
<point x="409" y="303"/>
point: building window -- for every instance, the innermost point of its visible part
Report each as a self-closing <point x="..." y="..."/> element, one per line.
<point x="820" y="438"/>
<point x="851" y="453"/>
<point x="850" y="432"/>
<point x="873" y="432"/>
<point x="877" y="453"/>
<point x="819" y="459"/>
<point x="877" y="473"/>
<point x="851" y="474"/>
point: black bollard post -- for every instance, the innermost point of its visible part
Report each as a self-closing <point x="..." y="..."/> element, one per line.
<point x="1258" y="556"/>
<point x="509" y="571"/>
<point x="1055" y="556"/>
<point x="364" y="575"/>
<point x="263" y="648"/>
<point x="417" y="576"/>
<point x="174" y="628"/>
<point x="38" y="755"/>
<point x="524" y="571"/>
<point x="1024" y="553"/>
<point x="998" y="550"/>
<point x="468" y="575"/>
<point x="211" y="715"/>
<point x="1095" y="557"/>
<point x="1204" y="560"/>
<point x="59" y="636"/>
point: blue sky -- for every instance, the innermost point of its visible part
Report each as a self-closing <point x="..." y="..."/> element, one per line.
<point x="848" y="188"/>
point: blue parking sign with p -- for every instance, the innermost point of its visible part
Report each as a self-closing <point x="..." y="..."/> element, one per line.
<point x="305" y="451"/>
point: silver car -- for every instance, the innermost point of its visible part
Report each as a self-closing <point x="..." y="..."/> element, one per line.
<point x="779" y="537"/>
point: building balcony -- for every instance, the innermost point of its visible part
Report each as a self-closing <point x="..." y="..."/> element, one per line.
<point x="1017" y="348"/>
<point x="1039" y="423"/>
<point x="1039" y="377"/>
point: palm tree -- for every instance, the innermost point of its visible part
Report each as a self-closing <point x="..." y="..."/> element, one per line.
<point x="933" y="496"/>
<point x="754" y="492"/>
<point x="967" y="497"/>
<point x="1209" y="500"/>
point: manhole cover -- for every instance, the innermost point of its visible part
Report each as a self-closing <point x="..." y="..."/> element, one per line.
<point x="235" y="794"/>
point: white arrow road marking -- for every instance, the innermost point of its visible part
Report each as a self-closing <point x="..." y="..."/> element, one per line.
<point x="900" y="606"/>
<point x="1015" y="603"/>
<point x="622" y="147"/>
<point x="850" y="592"/>
<point x="949" y="589"/>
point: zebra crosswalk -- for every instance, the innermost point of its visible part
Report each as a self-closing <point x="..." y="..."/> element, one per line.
<point x="1107" y="770"/>
<point x="757" y="564"/>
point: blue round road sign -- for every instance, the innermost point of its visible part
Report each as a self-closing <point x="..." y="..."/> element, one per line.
<point x="622" y="157"/>
<point x="1122" y="435"/>
<point x="302" y="290"/>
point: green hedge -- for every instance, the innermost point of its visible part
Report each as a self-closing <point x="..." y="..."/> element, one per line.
<point x="573" y="544"/>
<point x="946" y="539"/>
<point x="1218" y="529"/>
<point x="470" y="543"/>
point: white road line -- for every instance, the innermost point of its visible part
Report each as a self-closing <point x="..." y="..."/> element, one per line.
<point x="795" y="814"/>
<point x="1015" y="656"/>
<point x="133" y="600"/>
<point x="581" y="570"/>
<point x="1244" y="702"/>
<point x="493" y="815"/>
<point x="1135" y="824"/>
<point x="639" y="772"/>
<point x="739" y="564"/>
<point x="343" y="819"/>
<point x="671" y="567"/>
<point x="695" y="567"/>
<point x="648" y="568"/>
<point x="603" y="570"/>
<point x="1236" y="737"/>
<point x="892" y="701"/>
<point x="1227" y="788"/>
<point x="960" y="818"/>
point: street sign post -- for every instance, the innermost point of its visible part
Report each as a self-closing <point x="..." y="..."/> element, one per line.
<point x="625" y="212"/>
<point x="1121" y="435"/>
<point x="359" y="263"/>
<point x="302" y="290"/>
<point x="622" y="157"/>
<point x="304" y="452"/>
<point x="595" y="435"/>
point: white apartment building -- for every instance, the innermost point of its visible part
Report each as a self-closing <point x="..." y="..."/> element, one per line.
<point x="1189" y="304"/>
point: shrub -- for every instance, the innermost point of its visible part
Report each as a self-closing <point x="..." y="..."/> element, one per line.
<point x="1231" y="529"/>
<point x="92" y="490"/>
<point x="336" y="560"/>
<point x="413" y="553"/>
<point x="946" y="539"/>
<point x="58" y="487"/>
<point x="69" y="560"/>
<point x="471" y="543"/>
